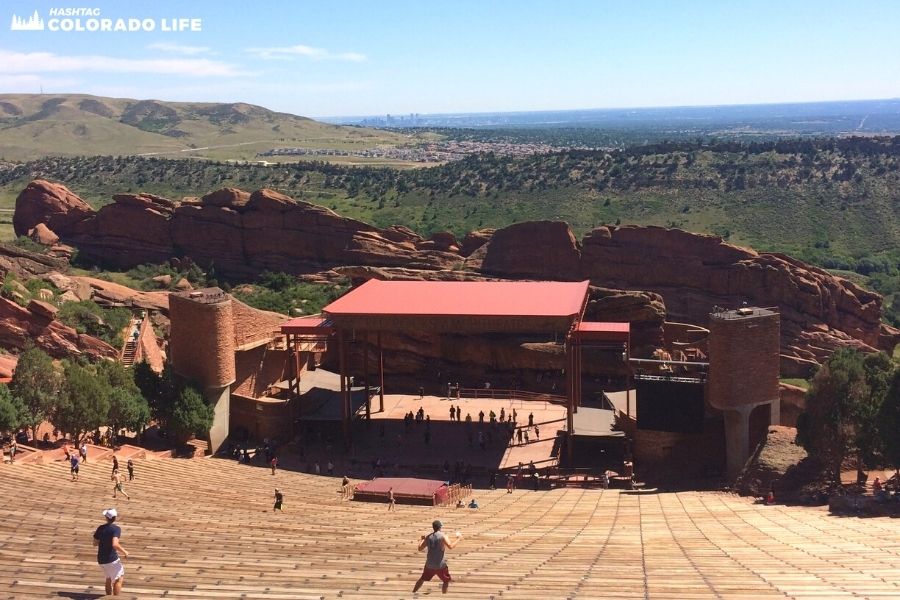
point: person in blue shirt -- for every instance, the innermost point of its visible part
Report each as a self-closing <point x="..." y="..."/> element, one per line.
<point x="106" y="538"/>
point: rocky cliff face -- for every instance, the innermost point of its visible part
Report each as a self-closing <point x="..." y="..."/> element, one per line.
<point x="640" y="274"/>
<point x="819" y="312"/>
<point x="238" y="233"/>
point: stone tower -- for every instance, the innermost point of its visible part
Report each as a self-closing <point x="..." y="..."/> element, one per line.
<point x="202" y="349"/>
<point x="744" y="364"/>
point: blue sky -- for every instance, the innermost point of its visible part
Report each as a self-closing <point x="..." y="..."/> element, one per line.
<point x="329" y="58"/>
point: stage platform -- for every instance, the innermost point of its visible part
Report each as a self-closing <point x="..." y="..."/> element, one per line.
<point x="407" y="490"/>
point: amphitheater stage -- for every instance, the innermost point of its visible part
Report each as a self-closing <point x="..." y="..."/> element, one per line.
<point x="407" y="490"/>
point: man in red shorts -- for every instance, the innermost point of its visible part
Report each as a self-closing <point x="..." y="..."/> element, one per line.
<point x="435" y="563"/>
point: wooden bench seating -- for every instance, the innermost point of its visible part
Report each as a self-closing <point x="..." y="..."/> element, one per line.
<point x="204" y="528"/>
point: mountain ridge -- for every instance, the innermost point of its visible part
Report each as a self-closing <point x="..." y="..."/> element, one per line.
<point x="36" y="125"/>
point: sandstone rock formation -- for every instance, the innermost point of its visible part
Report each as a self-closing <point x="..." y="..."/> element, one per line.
<point x="7" y="366"/>
<point x="665" y="271"/>
<point x="20" y="325"/>
<point x="51" y="204"/>
<point x="819" y="312"/>
<point x="240" y="234"/>
<point x="25" y="264"/>
<point x="43" y="235"/>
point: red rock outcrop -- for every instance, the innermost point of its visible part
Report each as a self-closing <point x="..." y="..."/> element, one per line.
<point x="534" y="249"/>
<point x="238" y="233"/>
<point x="25" y="264"/>
<point x="226" y="198"/>
<point x="49" y="203"/>
<point x="107" y="293"/>
<point x="692" y="273"/>
<point x="243" y="234"/>
<point x="20" y="325"/>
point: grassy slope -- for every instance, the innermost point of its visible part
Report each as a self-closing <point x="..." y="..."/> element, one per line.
<point x="34" y="125"/>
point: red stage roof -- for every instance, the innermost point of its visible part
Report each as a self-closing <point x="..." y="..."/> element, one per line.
<point x="594" y="330"/>
<point x="463" y="298"/>
<point x="308" y="325"/>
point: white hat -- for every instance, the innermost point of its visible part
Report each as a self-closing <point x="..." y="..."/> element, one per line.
<point x="110" y="513"/>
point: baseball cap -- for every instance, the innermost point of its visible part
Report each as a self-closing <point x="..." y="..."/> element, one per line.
<point x="110" y="513"/>
<point x="437" y="525"/>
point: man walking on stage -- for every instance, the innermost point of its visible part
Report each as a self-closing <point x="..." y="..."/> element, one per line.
<point x="435" y="562"/>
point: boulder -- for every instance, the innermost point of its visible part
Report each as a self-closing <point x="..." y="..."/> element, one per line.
<point x="225" y="198"/>
<point x="68" y="297"/>
<point x="534" y="249"/>
<point x="475" y="240"/>
<point x="43" y="235"/>
<point x="183" y="285"/>
<point x="162" y="281"/>
<point x="51" y="204"/>
<point x="444" y="241"/>
<point x="43" y="309"/>
<point x="771" y="462"/>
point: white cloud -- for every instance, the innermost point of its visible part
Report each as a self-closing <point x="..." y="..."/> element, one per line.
<point x="179" y="48"/>
<point x="43" y="62"/>
<point x="301" y="51"/>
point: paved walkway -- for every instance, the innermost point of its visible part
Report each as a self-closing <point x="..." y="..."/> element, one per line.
<point x="205" y="529"/>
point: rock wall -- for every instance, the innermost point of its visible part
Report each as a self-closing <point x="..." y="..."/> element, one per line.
<point x="238" y="235"/>
<point x="651" y="273"/>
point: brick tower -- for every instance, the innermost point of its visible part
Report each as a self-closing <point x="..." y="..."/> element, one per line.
<point x="744" y="364"/>
<point x="201" y="349"/>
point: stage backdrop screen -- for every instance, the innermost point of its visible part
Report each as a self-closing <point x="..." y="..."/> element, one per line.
<point x="669" y="406"/>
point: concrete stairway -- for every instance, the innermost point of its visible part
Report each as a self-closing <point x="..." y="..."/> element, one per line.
<point x="205" y="529"/>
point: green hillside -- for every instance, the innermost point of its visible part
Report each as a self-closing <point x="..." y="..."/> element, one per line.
<point x="835" y="203"/>
<point x="34" y="125"/>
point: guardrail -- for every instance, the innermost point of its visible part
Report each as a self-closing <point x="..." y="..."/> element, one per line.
<point x="502" y="394"/>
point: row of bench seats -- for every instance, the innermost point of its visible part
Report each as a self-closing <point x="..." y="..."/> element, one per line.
<point x="204" y="528"/>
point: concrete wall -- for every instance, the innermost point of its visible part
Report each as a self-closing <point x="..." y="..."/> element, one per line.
<point x="220" y="399"/>
<point x="262" y="418"/>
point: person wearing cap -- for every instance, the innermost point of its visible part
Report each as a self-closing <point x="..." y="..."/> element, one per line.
<point x="435" y="562"/>
<point x="73" y="462"/>
<point x="106" y="538"/>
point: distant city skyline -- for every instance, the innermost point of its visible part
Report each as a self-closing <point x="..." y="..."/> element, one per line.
<point x="356" y="58"/>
